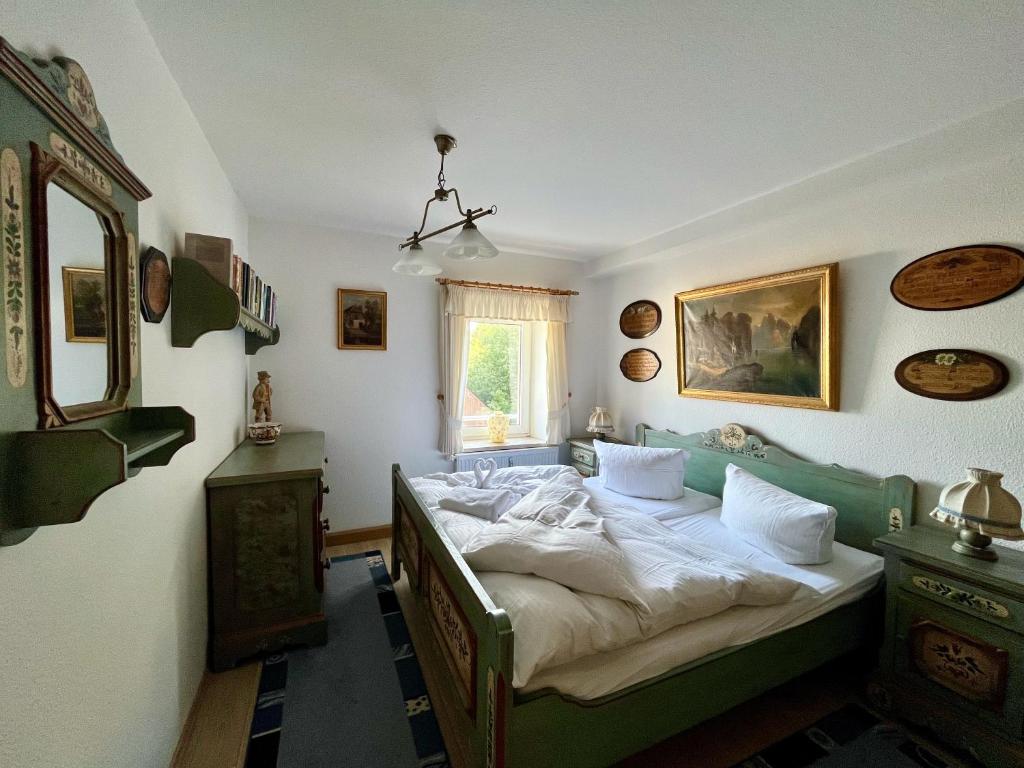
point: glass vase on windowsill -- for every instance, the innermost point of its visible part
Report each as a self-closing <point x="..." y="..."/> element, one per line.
<point x="497" y="427"/>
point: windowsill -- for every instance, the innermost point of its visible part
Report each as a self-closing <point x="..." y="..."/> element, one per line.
<point x="473" y="446"/>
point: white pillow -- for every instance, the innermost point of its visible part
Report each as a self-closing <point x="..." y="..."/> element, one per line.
<point x="793" y="529"/>
<point x="646" y="473"/>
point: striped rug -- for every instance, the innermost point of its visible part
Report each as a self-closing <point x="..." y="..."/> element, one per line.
<point x="326" y="711"/>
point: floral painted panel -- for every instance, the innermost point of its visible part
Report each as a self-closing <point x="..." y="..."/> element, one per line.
<point x="456" y="635"/>
<point x="81" y="165"/>
<point x="961" y="597"/>
<point x="133" y="303"/>
<point x="13" y="217"/>
<point x="975" y="670"/>
<point x="80" y="94"/>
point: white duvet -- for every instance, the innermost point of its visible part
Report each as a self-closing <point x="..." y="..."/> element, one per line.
<point x="580" y="576"/>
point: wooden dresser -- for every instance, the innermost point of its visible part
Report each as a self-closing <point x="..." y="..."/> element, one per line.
<point x="953" y="658"/>
<point x="266" y="548"/>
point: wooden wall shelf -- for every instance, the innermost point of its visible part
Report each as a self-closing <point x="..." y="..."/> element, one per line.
<point x="58" y="473"/>
<point x="200" y="304"/>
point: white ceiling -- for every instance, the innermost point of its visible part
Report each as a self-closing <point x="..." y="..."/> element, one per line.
<point x="592" y="124"/>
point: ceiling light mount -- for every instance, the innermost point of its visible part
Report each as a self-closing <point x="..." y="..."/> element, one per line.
<point x="469" y="244"/>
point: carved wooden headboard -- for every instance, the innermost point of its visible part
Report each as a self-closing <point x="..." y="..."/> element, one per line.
<point x="867" y="506"/>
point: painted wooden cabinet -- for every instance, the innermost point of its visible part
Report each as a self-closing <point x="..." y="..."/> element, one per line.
<point x="266" y="548"/>
<point x="583" y="457"/>
<point x="953" y="658"/>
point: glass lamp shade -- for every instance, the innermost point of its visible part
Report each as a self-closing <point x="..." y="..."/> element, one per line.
<point x="416" y="261"/>
<point x="600" y="421"/>
<point x="980" y="509"/>
<point x="470" y="245"/>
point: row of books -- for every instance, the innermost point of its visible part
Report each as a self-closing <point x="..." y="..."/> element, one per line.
<point x="215" y="253"/>
<point x="255" y="295"/>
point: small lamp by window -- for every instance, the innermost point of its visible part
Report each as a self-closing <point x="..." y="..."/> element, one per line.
<point x="980" y="509"/>
<point x="600" y="423"/>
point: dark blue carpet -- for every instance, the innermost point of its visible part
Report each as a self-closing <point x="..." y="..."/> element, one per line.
<point x="849" y="738"/>
<point x="360" y="700"/>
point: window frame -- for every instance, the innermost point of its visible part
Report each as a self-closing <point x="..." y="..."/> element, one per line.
<point x="477" y="432"/>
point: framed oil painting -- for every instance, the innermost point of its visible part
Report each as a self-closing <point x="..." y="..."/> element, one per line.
<point x="362" y="319"/>
<point x="85" y="304"/>
<point x="769" y="340"/>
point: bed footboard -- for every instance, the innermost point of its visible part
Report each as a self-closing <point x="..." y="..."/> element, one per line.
<point x="473" y="635"/>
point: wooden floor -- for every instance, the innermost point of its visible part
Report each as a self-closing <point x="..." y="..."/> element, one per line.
<point x="218" y="727"/>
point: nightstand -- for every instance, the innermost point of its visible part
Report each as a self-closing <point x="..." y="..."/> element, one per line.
<point x="953" y="656"/>
<point x="582" y="455"/>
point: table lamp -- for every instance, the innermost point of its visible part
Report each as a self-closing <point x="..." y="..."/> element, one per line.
<point x="600" y="423"/>
<point x="980" y="509"/>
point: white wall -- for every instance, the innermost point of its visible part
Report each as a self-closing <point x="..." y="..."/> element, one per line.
<point x="960" y="186"/>
<point x="103" y="631"/>
<point x="378" y="408"/>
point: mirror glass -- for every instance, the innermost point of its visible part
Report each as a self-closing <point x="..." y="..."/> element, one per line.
<point x="79" y="306"/>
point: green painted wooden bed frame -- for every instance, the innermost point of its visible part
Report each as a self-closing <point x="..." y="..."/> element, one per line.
<point x="505" y="729"/>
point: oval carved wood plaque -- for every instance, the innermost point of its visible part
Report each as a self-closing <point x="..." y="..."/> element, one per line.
<point x="640" y="365"/>
<point x="959" y="278"/>
<point x="640" y="319"/>
<point x="952" y="374"/>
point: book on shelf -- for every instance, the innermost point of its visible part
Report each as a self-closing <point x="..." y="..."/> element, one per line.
<point x="212" y="252"/>
<point x="236" y="276"/>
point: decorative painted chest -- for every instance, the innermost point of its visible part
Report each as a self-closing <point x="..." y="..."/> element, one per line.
<point x="266" y="548"/>
<point x="953" y="658"/>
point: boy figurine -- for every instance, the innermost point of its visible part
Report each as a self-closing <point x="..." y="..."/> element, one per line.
<point x="261" y="398"/>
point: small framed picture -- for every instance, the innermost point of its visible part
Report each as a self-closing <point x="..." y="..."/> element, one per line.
<point x="362" y="319"/>
<point x="85" y="304"/>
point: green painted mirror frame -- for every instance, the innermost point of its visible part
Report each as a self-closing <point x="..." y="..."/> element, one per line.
<point x="56" y="460"/>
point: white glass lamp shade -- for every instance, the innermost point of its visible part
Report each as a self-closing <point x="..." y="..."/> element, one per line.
<point x="980" y="504"/>
<point x="470" y="245"/>
<point x="600" y="421"/>
<point x="416" y="261"/>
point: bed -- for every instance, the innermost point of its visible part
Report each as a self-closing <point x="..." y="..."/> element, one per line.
<point x="541" y="725"/>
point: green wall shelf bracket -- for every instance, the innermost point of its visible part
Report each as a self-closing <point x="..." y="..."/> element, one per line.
<point x="200" y="303"/>
<point x="56" y="474"/>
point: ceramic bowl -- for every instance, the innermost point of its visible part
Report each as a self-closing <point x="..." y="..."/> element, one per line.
<point x="264" y="432"/>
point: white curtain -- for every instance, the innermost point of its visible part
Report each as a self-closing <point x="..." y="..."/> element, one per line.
<point x="550" y="314"/>
<point x="494" y="304"/>
<point x="454" y="342"/>
<point x="557" y="385"/>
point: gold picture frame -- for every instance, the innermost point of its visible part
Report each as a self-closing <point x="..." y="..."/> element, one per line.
<point x="362" y="319"/>
<point x="85" y="304"/>
<point x="769" y="340"/>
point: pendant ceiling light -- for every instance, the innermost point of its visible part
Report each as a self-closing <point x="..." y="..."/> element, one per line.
<point x="468" y="245"/>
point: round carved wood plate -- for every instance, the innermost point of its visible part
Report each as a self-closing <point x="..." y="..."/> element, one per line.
<point x="959" y="278"/>
<point x="640" y="319"/>
<point x="952" y="374"/>
<point x="155" y="276"/>
<point x="640" y="365"/>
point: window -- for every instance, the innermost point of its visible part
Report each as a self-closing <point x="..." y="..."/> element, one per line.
<point x="498" y="370"/>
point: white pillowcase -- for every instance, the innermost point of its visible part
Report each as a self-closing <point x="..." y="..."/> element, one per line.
<point x="793" y="529"/>
<point x="646" y="473"/>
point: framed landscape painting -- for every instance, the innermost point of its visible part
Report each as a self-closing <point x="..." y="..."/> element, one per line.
<point x="769" y="340"/>
<point x="85" y="304"/>
<point x="362" y="319"/>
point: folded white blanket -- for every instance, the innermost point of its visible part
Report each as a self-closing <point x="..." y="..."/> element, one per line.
<point x="487" y="503"/>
